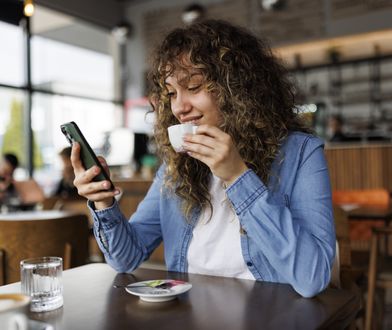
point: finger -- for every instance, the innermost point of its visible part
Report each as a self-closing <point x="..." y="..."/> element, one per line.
<point x="94" y="187"/>
<point x="75" y="158"/>
<point x="203" y="140"/>
<point x="102" y="161"/>
<point x="86" y="176"/>
<point x="204" y="159"/>
<point x="199" y="149"/>
<point x="104" y="164"/>
<point x="209" y="130"/>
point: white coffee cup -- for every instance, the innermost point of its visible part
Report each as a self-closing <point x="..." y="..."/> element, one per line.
<point x="13" y="311"/>
<point x="176" y="135"/>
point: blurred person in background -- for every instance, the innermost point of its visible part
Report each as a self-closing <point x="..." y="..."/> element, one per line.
<point x="65" y="188"/>
<point x="9" y="162"/>
<point x="335" y="129"/>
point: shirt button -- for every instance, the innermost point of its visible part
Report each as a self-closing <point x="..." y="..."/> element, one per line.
<point x="249" y="264"/>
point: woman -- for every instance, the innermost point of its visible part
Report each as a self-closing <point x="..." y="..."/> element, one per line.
<point x="251" y="196"/>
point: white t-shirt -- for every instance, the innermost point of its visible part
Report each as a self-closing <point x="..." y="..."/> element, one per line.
<point x="215" y="248"/>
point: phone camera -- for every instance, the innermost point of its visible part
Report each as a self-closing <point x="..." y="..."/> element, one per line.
<point x="65" y="132"/>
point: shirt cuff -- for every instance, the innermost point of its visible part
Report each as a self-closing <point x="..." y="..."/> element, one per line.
<point x="108" y="217"/>
<point x="245" y="190"/>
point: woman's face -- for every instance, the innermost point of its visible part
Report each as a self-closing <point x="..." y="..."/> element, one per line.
<point x="190" y="101"/>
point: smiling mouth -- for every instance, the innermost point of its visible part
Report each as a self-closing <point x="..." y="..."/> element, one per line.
<point x="193" y="120"/>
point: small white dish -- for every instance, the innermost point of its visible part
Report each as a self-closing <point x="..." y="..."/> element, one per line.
<point x="148" y="290"/>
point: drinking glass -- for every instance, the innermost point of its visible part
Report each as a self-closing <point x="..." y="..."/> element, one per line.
<point x="41" y="279"/>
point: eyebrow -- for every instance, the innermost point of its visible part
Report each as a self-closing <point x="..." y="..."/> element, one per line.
<point x="186" y="77"/>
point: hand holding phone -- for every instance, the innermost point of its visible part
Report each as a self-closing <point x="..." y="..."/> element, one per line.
<point x="87" y="155"/>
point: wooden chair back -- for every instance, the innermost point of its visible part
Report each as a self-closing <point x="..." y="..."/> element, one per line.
<point x="342" y="236"/>
<point x="80" y="206"/>
<point x="62" y="236"/>
<point x="133" y="192"/>
<point x="349" y="276"/>
<point x="380" y="276"/>
<point x="362" y="197"/>
<point x="74" y="205"/>
<point x="360" y="230"/>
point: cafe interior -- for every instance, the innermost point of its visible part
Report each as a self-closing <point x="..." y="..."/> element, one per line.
<point x="87" y="62"/>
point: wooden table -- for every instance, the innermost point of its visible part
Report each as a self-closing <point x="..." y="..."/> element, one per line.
<point x="91" y="302"/>
<point x="372" y="213"/>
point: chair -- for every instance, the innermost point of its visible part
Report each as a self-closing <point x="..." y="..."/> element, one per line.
<point x="363" y="197"/>
<point x="79" y="205"/>
<point x="380" y="276"/>
<point x="49" y="203"/>
<point x="348" y="276"/>
<point x="64" y="236"/>
<point x="342" y="236"/>
<point x="133" y="192"/>
<point x="360" y="231"/>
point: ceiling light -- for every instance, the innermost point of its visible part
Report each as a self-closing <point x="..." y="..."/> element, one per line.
<point x="122" y="31"/>
<point x="272" y="4"/>
<point x="192" y="13"/>
<point x="28" y="8"/>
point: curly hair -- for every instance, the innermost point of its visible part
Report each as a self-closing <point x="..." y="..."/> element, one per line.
<point x="253" y="90"/>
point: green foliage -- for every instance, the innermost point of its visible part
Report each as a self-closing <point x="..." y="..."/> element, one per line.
<point x="14" y="140"/>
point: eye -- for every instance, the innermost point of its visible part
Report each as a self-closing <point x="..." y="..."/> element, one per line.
<point x="170" y="94"/>
<point x="194" y="88"/>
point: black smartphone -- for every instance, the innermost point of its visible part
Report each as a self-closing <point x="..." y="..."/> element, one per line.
<point x="87" y="155"/>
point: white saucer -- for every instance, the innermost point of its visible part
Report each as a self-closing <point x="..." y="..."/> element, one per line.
<point x="152" y="294"/>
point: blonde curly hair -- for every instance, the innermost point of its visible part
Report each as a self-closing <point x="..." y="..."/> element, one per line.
<point x="253" y="91"/>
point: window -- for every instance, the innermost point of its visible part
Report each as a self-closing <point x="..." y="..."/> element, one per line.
<point x="11" y="55"/>
<point x="12" y="128"/>
<point x="64" y="68"/>
<point x="72" y="79"/>
<point x="94" y="118"/>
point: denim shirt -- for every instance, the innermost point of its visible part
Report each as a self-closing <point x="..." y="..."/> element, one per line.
<point x="287" y="234"/>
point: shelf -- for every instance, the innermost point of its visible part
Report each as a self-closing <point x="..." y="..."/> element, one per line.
<point x="361" y="80"/>
<point x="350" y="98"/>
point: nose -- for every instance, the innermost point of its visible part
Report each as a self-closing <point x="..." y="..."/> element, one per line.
<point x="181" y="104"/>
